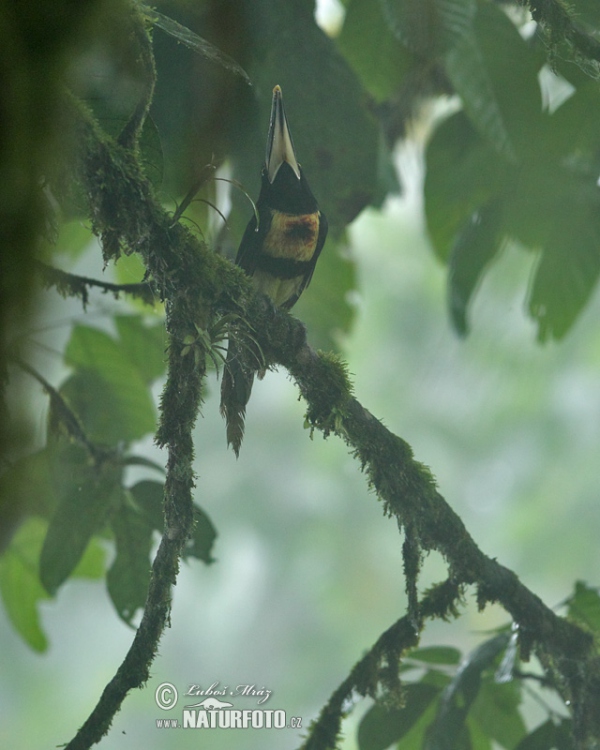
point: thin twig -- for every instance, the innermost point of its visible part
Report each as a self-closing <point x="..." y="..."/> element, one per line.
<point x="67" y="416"/>
<point x="71" y="284"/>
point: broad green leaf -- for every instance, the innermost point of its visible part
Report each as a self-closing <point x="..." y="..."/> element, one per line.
<point x="475" y="247"/>
<point x="478" y="738"/>
<point x="196" y="43"/>
<point x="571" y="131"/>
<point x="496" y="711"/>
<point x="203" y="538"/>
<point x="27" y="488"/>
<point x="564" y="735"/>
<point x="513" y="67"/>
<point x="145" y="345"/>
<point x="93" y="561"/>
<point x="437" y="678"/>
<point x="436" y="655"/>
<point x="414" y="739"/>
<point x="449" y="727"/>
<point x="584" y="606"/>
<point x="380" y="727"/>
<point x="20" y="585"/>
<point x="429" y="27"/>
<point x="466" y="70"/>
<point x="569" y="264"/>
<point x="148" y="497"/>
<point x="548" y="735"/>
<point x="542" y="737"/>
<point x="463" y="174"/>
<point x="495" y="73"/>
<point x="108" y="393"/>
<point x="82" y="512"/>
<point x="143" y="461"/>
<point x="110" y="415"/>
<point x="372" y="50"/>
<point x="129" y="575"/>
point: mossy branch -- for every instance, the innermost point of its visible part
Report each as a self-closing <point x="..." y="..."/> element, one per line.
<point x="408" y="492"/>
<point x="379" y="667"/>
<point x="558" y="19"/>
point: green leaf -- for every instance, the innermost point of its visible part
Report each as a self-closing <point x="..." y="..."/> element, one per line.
<point x="463" y="174"/>
<point x="465" y="66"/>
<point x="93" y="562"/>
<point x="495" y="72"/>
<point x="110" y="415"/>
<point x="430" y="27"/>
<point x="129" y="575"/>
<point x="569" y="264"/>
<point x="478" y="738"/>
<point x="380" y="727"/>
<point x="108" y="393"/>
<point x="436" y="655"/>
<point x="449" y="727"/>
<point x="27" y="488"/>
<point x="196" y="43"/>
<point x="20" y="584"/>
<point x="496" y="711"/>
<point x="143" y="461"/>
<point x="372" y="50"/>
<point x="82" y="512"/>
<point x="203" y="538"/>
<point x="148" y="497"/>
<point x="570" y="132"/>
<point x="584" y="606"/>
<point x="414" y="739"/>
<point x="549" y="735"/>
<point x="475" y="247"/>
<point x="145" y="345"/>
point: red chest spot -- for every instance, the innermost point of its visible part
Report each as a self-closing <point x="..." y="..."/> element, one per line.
<point x="301" y="228"/>
<point x="293" y="237"/>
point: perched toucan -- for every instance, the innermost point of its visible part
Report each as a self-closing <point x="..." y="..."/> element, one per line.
<point x="279" y="250"/>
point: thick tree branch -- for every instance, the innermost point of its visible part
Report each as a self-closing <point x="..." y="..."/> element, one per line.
<point x="408" y="492"/>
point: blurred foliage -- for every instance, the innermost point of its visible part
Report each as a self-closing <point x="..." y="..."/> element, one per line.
<point x="513" y="158"/>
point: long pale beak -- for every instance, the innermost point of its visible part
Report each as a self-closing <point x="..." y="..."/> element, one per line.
<point x="280" y="148"/>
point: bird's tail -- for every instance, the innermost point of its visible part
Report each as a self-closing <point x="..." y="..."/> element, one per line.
<point x="236" y="388"/>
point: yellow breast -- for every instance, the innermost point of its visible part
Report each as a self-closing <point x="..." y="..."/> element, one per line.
<point x="293" y="237"/>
